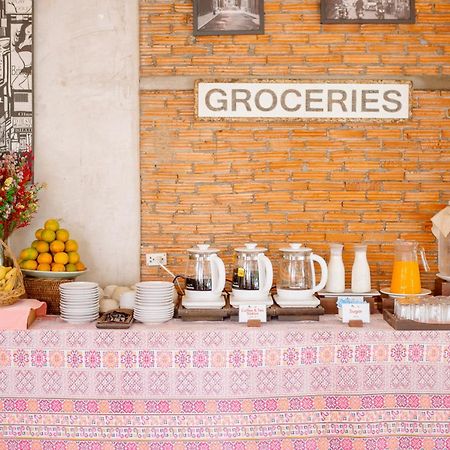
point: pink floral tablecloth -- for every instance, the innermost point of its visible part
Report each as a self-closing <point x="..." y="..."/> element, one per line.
<point x="223" y="385"/>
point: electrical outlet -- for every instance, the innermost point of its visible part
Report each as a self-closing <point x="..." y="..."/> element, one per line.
<point x="155" y="259"/>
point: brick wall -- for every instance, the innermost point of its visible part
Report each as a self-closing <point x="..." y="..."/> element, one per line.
<point x="276" y="182"/>
<point x="295" y="43"/>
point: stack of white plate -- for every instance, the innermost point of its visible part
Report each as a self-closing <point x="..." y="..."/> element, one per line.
<point x="154" y="301"/>
<point x="79" y="301"/>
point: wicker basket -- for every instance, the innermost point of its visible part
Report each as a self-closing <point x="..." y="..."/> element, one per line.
<point x="10" y="297"/>
<point x="46" y="290"/>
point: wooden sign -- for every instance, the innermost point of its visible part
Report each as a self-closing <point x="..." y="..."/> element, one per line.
<point x="294" y="100"/>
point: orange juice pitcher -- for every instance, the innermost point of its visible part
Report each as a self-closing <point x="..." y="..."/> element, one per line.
<point x="405" y="273"/>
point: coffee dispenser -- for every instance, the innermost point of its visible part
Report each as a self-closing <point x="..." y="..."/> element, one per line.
<point x="252" y="276"/>
<point x="205" y="278"/>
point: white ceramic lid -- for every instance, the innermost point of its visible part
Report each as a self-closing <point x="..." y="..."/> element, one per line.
<point x="295" y="248"/>
<point x="251" y="247"/>
<point x="203" y="248"/>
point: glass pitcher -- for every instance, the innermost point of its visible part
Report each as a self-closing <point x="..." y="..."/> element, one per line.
<point x="297" y="269"/>
<point x="297" y="276"/>
<point x="405" y="273"/>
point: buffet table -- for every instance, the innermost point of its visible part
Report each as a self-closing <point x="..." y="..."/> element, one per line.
<point x="223" y="385"/>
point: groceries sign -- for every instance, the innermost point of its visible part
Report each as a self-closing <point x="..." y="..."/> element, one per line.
<point x="291" y="100"/>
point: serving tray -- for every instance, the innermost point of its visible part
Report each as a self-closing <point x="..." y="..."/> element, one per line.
<point x="229" y="312"/>
<point x="404" y="324"/>
<point x="102" y="322"/>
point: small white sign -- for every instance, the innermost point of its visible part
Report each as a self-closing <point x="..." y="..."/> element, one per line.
<point x="355" y="311"/>
<point x="337" y="100"/>
<point x="252" y="312"/>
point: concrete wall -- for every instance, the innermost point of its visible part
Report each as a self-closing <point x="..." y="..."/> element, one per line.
<point x="87" y="130"/>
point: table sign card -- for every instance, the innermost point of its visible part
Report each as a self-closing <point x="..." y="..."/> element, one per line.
<point x="342" y="299"/>
<point x="355" y="311"/>
<point x="252" y="312"/>
<point x="295" y="100"/>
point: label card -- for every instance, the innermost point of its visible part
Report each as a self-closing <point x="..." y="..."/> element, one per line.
<point x="252" y="312"/>
<point x="355" y="311"/>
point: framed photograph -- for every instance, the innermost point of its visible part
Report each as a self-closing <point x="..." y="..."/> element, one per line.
<point x="216" y="17"/>
<point x="367" y="11"/>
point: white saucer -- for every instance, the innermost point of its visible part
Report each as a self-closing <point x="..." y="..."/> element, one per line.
<point x="236" y="303"/>
<point x="386" y="291"/>
<point x="219" y="303"/>
<point x="288" y="303"/>
<point x="443" y="277"/>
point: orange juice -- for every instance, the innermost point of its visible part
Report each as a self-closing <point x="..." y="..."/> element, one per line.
<point x="405" y="278"/>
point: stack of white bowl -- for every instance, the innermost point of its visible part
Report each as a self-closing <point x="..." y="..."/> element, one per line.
<point x="79" y="301"/>
<point x="154" y="301"/>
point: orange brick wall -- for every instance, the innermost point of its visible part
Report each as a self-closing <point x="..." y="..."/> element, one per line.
<point x="295" y="43"/>
<point x="275" y="182"/>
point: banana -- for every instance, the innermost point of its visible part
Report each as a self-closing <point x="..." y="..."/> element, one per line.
<point x="11" y="273"/>
<point x="9" y="286"/>
<point x="3" y="272"/>
<point x="2" y="283"/>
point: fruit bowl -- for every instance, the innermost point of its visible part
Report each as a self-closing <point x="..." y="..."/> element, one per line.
<point x="53" y="275"/>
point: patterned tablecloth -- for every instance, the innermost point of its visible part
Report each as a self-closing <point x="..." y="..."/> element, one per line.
<point x="223" y="385"/>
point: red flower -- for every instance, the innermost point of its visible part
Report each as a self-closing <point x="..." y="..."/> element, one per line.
<point x="18" y="193"/>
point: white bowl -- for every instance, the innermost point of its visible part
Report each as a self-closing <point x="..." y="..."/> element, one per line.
<point x="78" y="321"/>
<point x="80" y="316"/>
<point x="154" y="302"/>
<point x="79" y="285"/>
<point x="143" y="284"/>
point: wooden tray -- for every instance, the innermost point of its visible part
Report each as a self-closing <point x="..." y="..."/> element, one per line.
<point x="229" y="312"/>
<point x="441" y="287"/>
<point x="202" y="314"/>
<point x="328" y="300"/>
<point x="102" y="323"/>
<point x="404" y="324"/>
<point x="295" y="314"/>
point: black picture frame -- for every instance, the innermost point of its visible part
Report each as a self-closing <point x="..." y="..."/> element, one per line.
<point x="222" y="17"/>
<point x="367" y="11"/>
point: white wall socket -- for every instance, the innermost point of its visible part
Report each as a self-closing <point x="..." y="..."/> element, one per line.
<point x="155" y="259"/>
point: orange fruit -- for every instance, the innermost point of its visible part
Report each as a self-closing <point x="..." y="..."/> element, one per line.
<point x="71" y="268"/>
<point x="80" y="266"/>
<point x="28" y="254"/>
<point x="71" y="246"/>
<point x="74" y="257"/>
<point x="62" y="235"/>
<point x="48" y="235"/>
<point x="45" y="258"/>
<point x="61" y="258"/>
<point x="44" y="267"/>
<point x="51" y="224"/>
<point x="29" y="265"/>
<point x="38" y="233"/>
<point x="58" y="267"/>
<point x="41" y="246"/>
<point x="57" y="246"/>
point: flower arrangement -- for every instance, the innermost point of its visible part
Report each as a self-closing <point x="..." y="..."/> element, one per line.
<point x="18" y="193"/>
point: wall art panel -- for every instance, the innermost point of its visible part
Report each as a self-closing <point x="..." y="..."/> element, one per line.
<point x="16" y="75"/>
